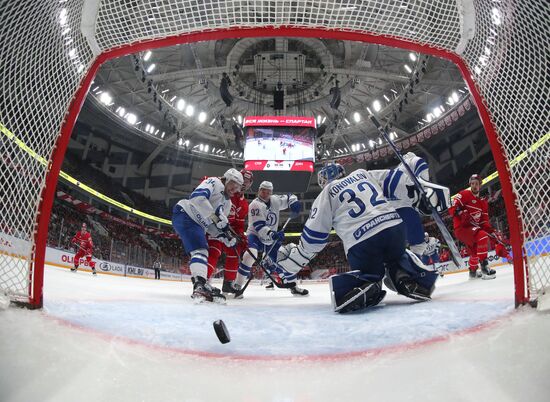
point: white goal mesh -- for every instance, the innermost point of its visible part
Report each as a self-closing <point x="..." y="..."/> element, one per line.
<point x="45" y="57"/>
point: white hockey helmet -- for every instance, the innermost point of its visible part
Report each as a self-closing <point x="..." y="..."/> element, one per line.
<point x="330" y="172"/>
<point x="234" y="175"/>
<point x="266" y="184"/>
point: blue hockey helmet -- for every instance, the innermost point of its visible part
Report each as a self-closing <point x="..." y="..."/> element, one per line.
<point x="330" y="172"/>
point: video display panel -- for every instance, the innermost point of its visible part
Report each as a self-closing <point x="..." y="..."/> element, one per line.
<point x="279" y="142"/>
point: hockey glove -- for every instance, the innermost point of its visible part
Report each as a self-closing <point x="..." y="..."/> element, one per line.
<point x="220" y="220"/>
<point x="277" y="236"/>
<point x="295" y="209"/>
<point x="227" y="240"/>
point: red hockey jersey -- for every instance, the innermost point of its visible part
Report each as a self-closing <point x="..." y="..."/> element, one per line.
<point x="84" y="240"/>
<point x="470" y="211"/>
<point x="239" y="212"/>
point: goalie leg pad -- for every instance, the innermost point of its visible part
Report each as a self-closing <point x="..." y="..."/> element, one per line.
<point x="352" y="293"/>
<point x="410" y="278"/>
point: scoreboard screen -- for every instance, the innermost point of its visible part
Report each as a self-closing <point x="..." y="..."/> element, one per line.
<point x="278" y="144"/>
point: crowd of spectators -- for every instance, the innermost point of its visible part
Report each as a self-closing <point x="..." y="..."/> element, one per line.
<point x="124" y="243"/>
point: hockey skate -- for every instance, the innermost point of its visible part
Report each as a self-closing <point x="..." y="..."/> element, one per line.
<point x="472" y="274"/>
<point x="204" y="292"/>
<point x="237" y="292"/>
<point x="94" y="271"/>
<point x="74" y="269"/>
<point x="270" y="286"/>
<point x="486" y="272"/>
<point x="227" y="287"/>
<point x="296" y="291"/>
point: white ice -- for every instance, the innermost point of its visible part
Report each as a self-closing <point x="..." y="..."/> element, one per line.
<point x="111" y="338"/>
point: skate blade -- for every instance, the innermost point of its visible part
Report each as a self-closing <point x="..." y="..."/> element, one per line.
<point x="488" y="277"/>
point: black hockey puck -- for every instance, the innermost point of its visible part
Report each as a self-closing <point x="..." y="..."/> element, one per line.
<point x="221" y="331"/>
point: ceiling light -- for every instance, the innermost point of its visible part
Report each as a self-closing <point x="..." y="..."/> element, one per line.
<point x="412" y="56"/>
<point x="151" y="67"/>
<point x="455" y="96"/>
<point x="368" y="110"/>
<point x="201" y="147"/>
<point x="105" y="98"/>
<point x="173" y="97"/>
<point x="347" y="121"/>
<point x="181" y="104"/>
<point x="162" y="135"/>
<point x="189" y="110"/>
<point x="357" y="117"/>
<point x="409" y="70"/>
<point x="371" y="143"/>
<point x="121" y="112"/>
<point x="131" y="118"/>
<point x="206" y="148"/>
<point x="437" y="112"/>
<point x="212" y="121"/>
<point x="202" y="117"/>
<point x="385" y="97"/>
<point x="240" y="119"/>
<point x="376" y="105"/>
<point x="147" y="55"/>
<point x="319" y="117"/>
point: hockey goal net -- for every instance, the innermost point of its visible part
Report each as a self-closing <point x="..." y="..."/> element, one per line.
<point x="52" y="49"/>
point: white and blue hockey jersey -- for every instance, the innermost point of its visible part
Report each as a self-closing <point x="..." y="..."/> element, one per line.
<point x="354" y="206"/>
<point x="432" y="246"/>
<point x="397" y="186"/>
<point x="263" y="217"/>
<point x="205" y="200"/>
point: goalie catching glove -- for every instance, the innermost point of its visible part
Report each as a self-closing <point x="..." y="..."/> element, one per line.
<point x="438" y="197"/>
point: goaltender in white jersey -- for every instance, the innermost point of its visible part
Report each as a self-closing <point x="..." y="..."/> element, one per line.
<point x="373" y="236"/>
<point x="354" y="206"/>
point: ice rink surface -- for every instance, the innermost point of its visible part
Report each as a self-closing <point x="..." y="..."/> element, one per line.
<point x="110" y="338"/>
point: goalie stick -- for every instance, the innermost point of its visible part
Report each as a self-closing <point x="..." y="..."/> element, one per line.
<point x="259" y="263"/>
<point x="455" y="254"/>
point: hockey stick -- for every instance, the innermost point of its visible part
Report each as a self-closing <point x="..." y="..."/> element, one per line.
<point x="455" y="254"/>
<point x="259" y="263"/>
<point x="491" y="235"/>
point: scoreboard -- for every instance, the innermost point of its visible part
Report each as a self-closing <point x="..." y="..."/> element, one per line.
<point x="280" y="149"/>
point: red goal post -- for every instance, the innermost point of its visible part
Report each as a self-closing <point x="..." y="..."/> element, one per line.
<point x="52" y="50"/>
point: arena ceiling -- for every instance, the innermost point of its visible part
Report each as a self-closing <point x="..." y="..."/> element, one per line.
<point x="172" y="95"/>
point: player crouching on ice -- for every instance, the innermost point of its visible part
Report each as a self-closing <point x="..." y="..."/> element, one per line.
<point x="263" y="235"/>
<point x="373" y="235"/>
<point x="206" y="210"/>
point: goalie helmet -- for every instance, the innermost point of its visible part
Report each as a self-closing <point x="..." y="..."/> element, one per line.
<point x="234" y="175"/>
<point x="330" y="172"/>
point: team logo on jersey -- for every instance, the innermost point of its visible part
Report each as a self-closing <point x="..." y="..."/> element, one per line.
<point x="271" y="219"/>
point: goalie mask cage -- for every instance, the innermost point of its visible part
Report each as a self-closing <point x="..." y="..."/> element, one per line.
<point x="51" y="50"/>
